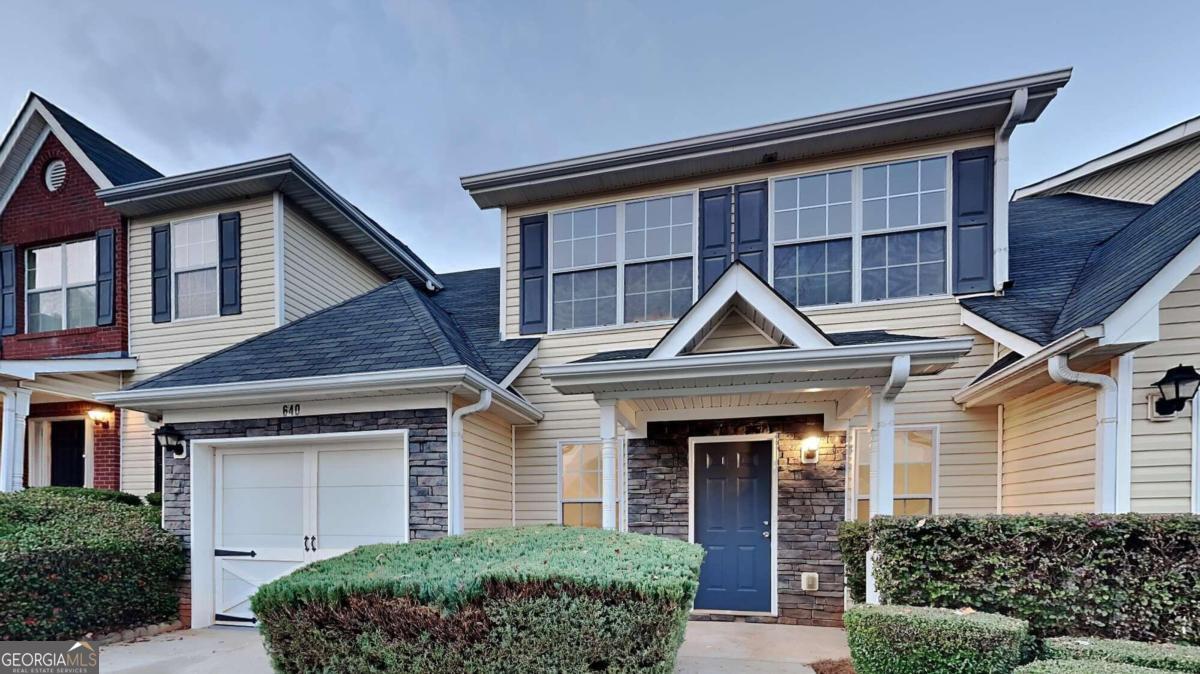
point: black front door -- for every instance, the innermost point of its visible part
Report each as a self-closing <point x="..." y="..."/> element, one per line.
<point x="733" y="522"/>
<point x="66" y="453"/>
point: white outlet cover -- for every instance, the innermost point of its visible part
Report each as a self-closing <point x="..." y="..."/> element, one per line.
<point x="809" y="582"/>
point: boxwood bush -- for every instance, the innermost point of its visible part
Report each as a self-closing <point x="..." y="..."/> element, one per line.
<point x="913" y="640"/>
<point x="109" y="495"/>
<point x="498" y="600"/>
<point x="71" y="566"/>
<point x="1082" y="667"/>
<point x="1117" y="576"/>
<point x="1170" y="657"/>
<point x="854" y="540"/>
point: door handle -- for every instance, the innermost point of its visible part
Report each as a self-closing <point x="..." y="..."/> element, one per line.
<point x="306" y="543"/>
<point x="766" y="534"/>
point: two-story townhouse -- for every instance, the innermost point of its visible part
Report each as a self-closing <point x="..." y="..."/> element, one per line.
<point x="739" y="339"/>
<point x="63" y="329"/>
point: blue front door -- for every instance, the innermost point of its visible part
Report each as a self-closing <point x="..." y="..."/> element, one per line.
<point x="733" y="522"/>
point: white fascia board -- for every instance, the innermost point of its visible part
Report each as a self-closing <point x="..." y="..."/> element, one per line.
<point x="931" y="352"/>
<point x="1033" y="364"/>
<point x="77" y="152"/>
<point x="1136" y="321"/>
<point x="520" y="367"/>
<point x="28" y="161"/>
<point x="30" y="369"/>
<point x="1176" y="134"/>
<point x="444" y="378"/>
<point x="1008" y="338"/>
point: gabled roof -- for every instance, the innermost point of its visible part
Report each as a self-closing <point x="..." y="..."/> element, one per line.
<point x="976" y="108"/>
<point x="394" y="327"/>
<point x="105" y="162"/>
<point x="1182" y="132"/>
<point x="859" y="338"/>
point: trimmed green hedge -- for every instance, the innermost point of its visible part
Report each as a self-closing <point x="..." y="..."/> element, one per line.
<point x="154" y="499"/>
<point x="1082" y="667"/>
<point x="913" y="640"/>
<point x="1170" y="657"/>
<point x="500" y="600"/>
<point x="1117" y="576"/>
<point x="854" y="540"/>
<point x="71" y="565"/>
<point x="108" y="495"/>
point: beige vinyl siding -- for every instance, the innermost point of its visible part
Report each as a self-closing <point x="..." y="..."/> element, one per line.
<point x="1145" y="179"/>
<point x="1050" y="451"/>
<point x="733" y="334"/>
<point x="1162" y="450"/>
<point x="137" y="453"/>
<point x="487" y="472"/>
<point x="318" y="270"/>
<point x="967" y="461"/>
<point x="162" y="346"/>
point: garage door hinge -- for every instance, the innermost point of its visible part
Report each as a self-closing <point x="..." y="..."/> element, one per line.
<point x="234" y="553"/>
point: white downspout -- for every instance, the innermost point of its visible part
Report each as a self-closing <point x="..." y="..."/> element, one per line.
<point x="883" y="467"/>
<point x="1106" y="426"/>
<point x="454" y="487"/>
<point x="1016" y="111"/>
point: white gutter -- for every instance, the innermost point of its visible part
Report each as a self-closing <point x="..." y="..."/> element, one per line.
<point x="1016" y="112"/>
<point x="968" y="396"/>
<point x="454" y="490"/>
<point x="1106" y="426"/>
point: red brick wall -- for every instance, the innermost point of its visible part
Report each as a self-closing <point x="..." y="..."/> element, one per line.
<point x="106" y="442"/>
<point x="36" y="216"/>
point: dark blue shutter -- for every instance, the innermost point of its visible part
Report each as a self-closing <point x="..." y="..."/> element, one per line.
<point x="160" y="273"/>
<point x="750" y="227"/>
<point x="714" y="235"/>
<point x="106" y="277"/>
<point x="533" y="274"/>
<point x="8" y="290"/>
<point x="229" y="238"/>
<point x="973" y="247"/>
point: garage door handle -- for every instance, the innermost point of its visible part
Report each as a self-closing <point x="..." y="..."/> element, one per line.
<point x="233" y="553"/>
<point x="306" y="543"/>
<point x="314" y="543"/>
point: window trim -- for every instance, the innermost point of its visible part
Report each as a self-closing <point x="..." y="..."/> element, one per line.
<point x="620" y="263"/>
<point x="216" y="219"/>
<point x="934" y="483"/>
<point x="857" y="233"/>
<point x="622" y="498"/>
<point x="62" y="287"/>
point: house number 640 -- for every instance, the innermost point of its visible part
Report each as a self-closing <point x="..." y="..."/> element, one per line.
<point x="291" y="409"/>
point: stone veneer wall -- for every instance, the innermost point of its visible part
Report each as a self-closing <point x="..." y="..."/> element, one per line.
<point x="427" y="479"/>
<point x="811" y="504"/>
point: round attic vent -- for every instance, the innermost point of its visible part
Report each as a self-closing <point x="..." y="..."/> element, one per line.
<point x="56" y="174"/>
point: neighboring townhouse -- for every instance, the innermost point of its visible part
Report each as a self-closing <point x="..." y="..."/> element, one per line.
<point x="739" y="339"/>
<point x="63" y="328"/>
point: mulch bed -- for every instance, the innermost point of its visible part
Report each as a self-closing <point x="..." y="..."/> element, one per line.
<point x="833" y="667"/>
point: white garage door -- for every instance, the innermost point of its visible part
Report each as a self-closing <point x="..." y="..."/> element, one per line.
<point x="280" y="508"/>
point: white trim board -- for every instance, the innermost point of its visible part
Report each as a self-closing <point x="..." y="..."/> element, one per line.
<point x="773" y="438"/>
<point x="1003" y="336"/>
<point x="1137" y="319"/>
<point x="1196" y="454"/>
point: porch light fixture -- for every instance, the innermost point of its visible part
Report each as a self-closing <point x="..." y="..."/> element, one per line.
<point x="1177" y="387"/>
<point x="100" y="416"/>
<point x="170" y="440"/>
<point x="810" y="449"/>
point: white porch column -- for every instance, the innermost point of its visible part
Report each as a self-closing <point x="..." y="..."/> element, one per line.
<point x="12" y="438"/>
<point x="883" y="458"/>
<point x="608" y="463"/>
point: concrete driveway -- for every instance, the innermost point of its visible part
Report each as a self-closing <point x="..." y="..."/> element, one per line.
<point x="710" y="648"/>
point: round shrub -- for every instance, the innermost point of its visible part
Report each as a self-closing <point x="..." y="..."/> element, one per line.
<point x="70" y="566"/>
<point x="109" y="495"/>
<point x="154" y="499"/>
<point x="915" y="640"/>
<point x="498" y="600"/>
<point x="1082" y="667"/>
<point x="1169" y="657"/>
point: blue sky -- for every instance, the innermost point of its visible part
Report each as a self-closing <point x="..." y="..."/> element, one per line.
<point x="390" y="102"/>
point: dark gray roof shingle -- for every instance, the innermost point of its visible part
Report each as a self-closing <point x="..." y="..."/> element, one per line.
<point x="394" y="327"/>
<point x="115" y="163"/>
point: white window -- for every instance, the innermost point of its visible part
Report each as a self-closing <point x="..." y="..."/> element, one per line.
<point x="913" y="479"/>
<point x="622" y="263"/>
<point x="194" y="267"/>
<point x="889" y="222"/>
<point x="581" y="484"/>
<point x="60" y="286"/>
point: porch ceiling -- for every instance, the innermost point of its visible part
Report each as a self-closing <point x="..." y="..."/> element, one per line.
<point x="836" y="406"/>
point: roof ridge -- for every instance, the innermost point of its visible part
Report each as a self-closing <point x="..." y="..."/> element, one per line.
<point x="428" y="324"/>
<point x="473" y="357"/>
<point x="67" y="120"/>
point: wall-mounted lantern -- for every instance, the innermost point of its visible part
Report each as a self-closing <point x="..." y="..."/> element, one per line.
<point x="1177" y="387"/>
<point x="100" y="416"/>
<point x="170" y="440"/>
<point x="810" y="449"/>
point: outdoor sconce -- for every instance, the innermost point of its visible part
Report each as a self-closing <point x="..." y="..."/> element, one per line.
<point x="170" y="440"/>
<point x="810" y="449"/>
<point x="100" y="417"/>
<point x="1177" y="387"/>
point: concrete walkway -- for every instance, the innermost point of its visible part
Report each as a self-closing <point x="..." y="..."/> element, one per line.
<point x="710" y="648"/>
